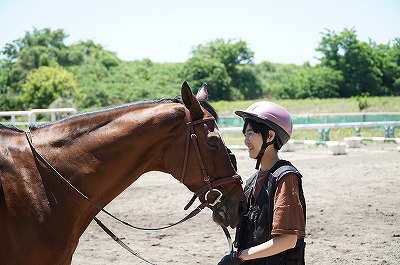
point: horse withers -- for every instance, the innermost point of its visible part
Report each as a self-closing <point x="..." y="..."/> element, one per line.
<point x="100" y="154"/>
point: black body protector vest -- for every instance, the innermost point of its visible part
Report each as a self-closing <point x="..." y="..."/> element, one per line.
<point x="255" y="227"/>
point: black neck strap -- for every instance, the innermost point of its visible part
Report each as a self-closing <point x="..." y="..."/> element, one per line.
<point x="261" y="153"/>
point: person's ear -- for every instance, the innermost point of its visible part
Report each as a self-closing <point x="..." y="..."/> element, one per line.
<point x="271" y="135"/>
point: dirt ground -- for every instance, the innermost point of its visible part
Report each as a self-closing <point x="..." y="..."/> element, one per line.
<point x="353" y="204"/>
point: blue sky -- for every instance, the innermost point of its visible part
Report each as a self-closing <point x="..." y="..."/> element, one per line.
<point x="281" y="31"/>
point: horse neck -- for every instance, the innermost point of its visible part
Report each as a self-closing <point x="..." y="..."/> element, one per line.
<point x="103" y="154"/>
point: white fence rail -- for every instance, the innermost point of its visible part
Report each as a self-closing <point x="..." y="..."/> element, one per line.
<point x="26" y="118"/>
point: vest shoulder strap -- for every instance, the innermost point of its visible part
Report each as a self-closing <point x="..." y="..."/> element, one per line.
<point x="285" y="168"/>
<point x="250" y="184"/>
<point x="252" y="179"/>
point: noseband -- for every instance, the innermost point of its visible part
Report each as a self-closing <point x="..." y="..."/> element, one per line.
<point x="209" y="186"/>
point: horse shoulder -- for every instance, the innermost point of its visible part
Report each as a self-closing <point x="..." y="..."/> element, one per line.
<point x="23" y="192"/>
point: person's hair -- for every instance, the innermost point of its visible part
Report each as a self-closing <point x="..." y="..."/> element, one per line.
<point x="260" y="128"/>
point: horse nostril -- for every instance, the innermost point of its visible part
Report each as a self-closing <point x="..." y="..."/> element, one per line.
<point x="242" y="210"/>
<point x="222" y="214"/>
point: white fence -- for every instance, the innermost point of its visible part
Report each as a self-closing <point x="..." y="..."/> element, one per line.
<point x="29" y="118"/>
<point x="26" y="118"/>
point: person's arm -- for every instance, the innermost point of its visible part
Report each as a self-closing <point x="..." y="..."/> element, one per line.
<point x="271" y="247"/>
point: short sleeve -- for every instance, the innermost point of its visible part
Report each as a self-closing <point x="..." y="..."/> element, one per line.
<point x="288" y="217"/>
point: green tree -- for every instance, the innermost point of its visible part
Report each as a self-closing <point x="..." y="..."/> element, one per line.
<point x="200" y="70"/>
<point x="356" y="61"/>
<point x="388" y="61"/>
<point x="47" y="84"/>
<point x="321" y="82"/>
<point x="277" y="79"/>
<point x="88" y="52"/>
<point x="36" y="49"/>
<point x="86" y="59"/>
<point x="54" y="40"/>
<point x="224" y="64"/>
<point x="39" y="48"/>
<point x="7" y="100"/>
<point x="298" y="82"/>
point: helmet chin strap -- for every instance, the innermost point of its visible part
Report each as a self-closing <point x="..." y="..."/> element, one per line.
<point x="261" y="153"/>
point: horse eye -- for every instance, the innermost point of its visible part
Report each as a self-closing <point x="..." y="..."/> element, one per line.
<point x="210" y="126"/>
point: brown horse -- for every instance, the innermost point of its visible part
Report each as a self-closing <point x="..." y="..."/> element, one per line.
<point x="101" y="153"/>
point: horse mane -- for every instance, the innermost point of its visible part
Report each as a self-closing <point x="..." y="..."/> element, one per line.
<point x="204" y="104"/>
<point x="10" y="127"/>
<point x="209" y="108"/>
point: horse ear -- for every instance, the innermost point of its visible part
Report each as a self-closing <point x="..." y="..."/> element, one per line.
<point x="191" y="102"/>
<point x="202" y="95"/>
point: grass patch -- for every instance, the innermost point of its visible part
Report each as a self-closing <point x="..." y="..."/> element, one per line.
<point x="315" y="106"/>
<point x="236" y="138"/>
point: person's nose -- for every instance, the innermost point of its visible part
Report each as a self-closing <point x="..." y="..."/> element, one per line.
<point x="246" y="140"/>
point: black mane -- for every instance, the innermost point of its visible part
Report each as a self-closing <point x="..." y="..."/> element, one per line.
<point x="10" y="127"/>
<point x="204" y="104"/>
<point x="209" y="108"/>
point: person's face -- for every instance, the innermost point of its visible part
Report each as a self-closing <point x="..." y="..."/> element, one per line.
<point x="253" y="141"/>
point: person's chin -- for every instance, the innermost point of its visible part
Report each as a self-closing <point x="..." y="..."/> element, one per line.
<point x="251" y="153"/>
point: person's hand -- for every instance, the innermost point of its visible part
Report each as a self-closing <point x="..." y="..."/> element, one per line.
<point x="231" y="259"/>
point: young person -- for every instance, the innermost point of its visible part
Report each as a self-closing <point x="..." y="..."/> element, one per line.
<point x="273" y="230"/>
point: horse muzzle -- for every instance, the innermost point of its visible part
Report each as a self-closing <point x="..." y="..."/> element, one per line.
<point x="228" y="215"/>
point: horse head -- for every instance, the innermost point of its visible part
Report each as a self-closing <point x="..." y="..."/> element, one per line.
<point x="209" y="168"/>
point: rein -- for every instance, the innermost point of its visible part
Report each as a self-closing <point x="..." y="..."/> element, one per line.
<point x="208" y="188"/>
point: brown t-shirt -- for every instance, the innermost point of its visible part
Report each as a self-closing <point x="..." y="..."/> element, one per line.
<point x="288" y="217"/>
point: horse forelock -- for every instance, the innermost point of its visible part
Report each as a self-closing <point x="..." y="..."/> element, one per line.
<point x="206" y="105"/>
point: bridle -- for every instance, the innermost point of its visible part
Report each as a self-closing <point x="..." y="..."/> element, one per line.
<point x="207" y="189"/>
<point x="209" y="186"/>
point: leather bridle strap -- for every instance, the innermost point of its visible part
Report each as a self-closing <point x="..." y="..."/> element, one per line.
<point x="209" y="186"/>
<point x="215" y="183"/>
<point x="191" y="135"/>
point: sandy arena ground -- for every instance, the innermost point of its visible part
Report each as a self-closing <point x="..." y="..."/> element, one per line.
<point x="353" y="204"/>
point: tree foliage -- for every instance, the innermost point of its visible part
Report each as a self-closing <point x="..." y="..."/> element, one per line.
<point x="46" y="84"/>
<point x="39" y="48"/>
<point x="40" y="70"/>
<point x="45" y="48"/>
<point x="366" y="68"/>
<point x="226" y="66"/>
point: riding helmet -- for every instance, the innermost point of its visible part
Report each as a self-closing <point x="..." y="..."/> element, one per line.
<point x="273" y="115"/>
